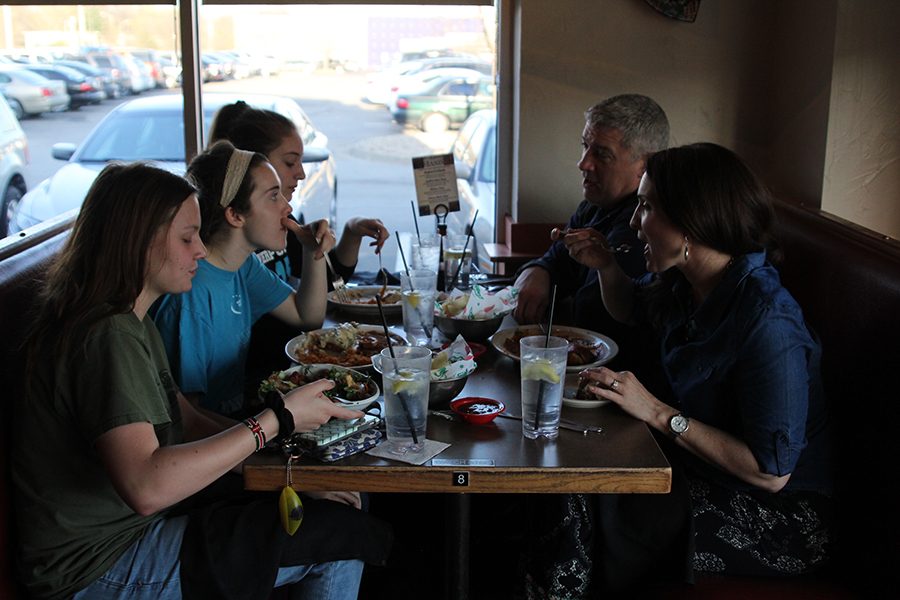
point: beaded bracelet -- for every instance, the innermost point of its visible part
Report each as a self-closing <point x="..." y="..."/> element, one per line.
<point x="286" y="426"/>
<point x="256" y="429"/>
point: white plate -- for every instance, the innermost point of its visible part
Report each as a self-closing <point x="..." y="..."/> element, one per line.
<point x="314" y="372"/>
<point x="293" y="343"/>
<point x="569" y="391"/>
<point x="606" y="348"/>
<point x="365" y="310"/>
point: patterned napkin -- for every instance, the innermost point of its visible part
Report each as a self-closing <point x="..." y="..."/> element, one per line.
<point x="479" y="304"/>
<point x="454" y="361"/>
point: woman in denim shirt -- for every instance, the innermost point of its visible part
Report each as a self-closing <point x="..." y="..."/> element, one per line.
<point x="742" y="416"/>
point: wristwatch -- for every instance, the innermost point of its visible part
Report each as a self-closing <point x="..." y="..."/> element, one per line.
<point x="678" y="424"/>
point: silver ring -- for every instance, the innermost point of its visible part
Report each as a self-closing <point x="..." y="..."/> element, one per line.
<point x="614" y="385"/>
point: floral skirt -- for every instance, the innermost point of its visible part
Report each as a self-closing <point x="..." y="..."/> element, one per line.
<point x="583" y="545"/>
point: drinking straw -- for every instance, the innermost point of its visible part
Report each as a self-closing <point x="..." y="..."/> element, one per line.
<point x="465" y="247"/>
<point x="400" y="395"/>
<point x="412" y="204"/>
<point x="540" y="398"/>
<point x="402" y="255"/>
<point x="427" y="330"/>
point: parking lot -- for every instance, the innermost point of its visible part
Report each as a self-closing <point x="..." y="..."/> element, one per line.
<point x="373" y="154"/>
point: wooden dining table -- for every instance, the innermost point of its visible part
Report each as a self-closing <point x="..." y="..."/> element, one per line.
<point x="491" y="458"/>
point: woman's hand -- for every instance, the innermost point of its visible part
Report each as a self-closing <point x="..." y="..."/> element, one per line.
<point x="586" y="246"/>
<point x="372" y="228"/>
<point x="311" y="408"/>
<point x="624" y="389"/>
<point x="315" y="237"/>
<point x="348" y="498"/>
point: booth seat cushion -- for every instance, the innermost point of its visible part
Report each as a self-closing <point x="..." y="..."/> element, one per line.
<point x="20" y="277"/>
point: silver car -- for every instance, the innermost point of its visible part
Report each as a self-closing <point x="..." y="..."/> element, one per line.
<point x="31" y="94"/>
<point x="152" y="129"/>
<point x="475" y="158"/>
<point x="13" y="158"/>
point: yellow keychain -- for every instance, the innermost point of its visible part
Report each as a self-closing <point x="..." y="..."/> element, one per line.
<point x="289" y="505"/>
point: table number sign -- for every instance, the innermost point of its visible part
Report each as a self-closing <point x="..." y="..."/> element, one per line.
<point x="435" y="178"/>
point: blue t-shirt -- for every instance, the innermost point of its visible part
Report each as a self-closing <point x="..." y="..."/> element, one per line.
<point x="745" y="362"/>
<point x="206" y="331"/>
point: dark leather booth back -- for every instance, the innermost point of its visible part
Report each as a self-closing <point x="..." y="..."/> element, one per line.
<point x="20" y="277"/>
<point x="848" y="283"/>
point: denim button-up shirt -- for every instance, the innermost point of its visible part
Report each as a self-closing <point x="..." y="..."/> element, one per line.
<point x="745" y="362"/>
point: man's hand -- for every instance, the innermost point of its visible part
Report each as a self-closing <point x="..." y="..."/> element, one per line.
<point x="534" y="295"/>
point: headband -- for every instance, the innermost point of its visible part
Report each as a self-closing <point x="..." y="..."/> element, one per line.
<point x="234" y="175"/>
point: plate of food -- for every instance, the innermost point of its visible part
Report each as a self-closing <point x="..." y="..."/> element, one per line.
<point x="347" y="345"/>
<point x="576" y="396"/>
<point x="352" y="389"/>
<point x="587" y="348"/>
<point x="360" y="300"/>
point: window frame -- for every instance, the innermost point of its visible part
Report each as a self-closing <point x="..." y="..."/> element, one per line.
<point x="188" y="28"/>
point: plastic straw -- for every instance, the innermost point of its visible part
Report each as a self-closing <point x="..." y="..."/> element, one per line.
<point x="540" y="398"/>
<point x="400" y="395"/>
<point x="412" y="204"/>
<point x="463" y="259"/>
<point x="402" y="255"/>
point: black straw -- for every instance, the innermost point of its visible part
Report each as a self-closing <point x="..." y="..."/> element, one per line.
<point x="463" y="259"/>
<point x="540" y="398"/>
<point x="402" y="255"/>
<point x="400" y="395"/>
<point x="412" y="204"/>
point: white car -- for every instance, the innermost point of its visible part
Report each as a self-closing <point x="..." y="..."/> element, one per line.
<point x="382" y="86"/>
<point x="475" y="159"/>
<point x="151" y="129"/>
<point x="13" y="158"/>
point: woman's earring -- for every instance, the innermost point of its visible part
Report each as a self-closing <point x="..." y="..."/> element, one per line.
<point x="686" y="247"/>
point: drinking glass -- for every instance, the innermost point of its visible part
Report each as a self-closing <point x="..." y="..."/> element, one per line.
<point x="406" y="379"/>
<point x="454" y="256"/>
<point x="426" y="253"/>
<point x="543" y="378"/>
<point x="418" y="291"/>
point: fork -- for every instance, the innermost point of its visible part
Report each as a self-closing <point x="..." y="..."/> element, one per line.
<point x="337" y="282"/>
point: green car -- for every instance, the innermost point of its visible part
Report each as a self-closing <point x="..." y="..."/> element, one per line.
<point x="443" y="101"/>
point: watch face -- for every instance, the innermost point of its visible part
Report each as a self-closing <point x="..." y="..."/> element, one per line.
<point x="678" y="424"/>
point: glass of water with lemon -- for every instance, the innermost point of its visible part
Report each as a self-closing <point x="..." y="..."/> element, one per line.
<point x="543" y="377"/>
<point x="406" y="378"/>
<point x="418" y="290"/>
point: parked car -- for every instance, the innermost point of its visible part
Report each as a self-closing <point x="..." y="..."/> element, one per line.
<point x="13" y="158"/>
<point x="418" y="83"/>
<point x="98" y="79"/>
<point x="80" y="90"/>
<point x="29" y="93"/>
<point x="140" y="76"/>
<point x="446" y="101"/>
<point x="153" y="60"/>
<point x="152" y="129"/>
<point x="114" y="67"/>
<point x="380" y="87"/>
<point x="475" y="158"/>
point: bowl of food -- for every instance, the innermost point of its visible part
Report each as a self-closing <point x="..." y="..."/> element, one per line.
<point x="477" y="411"/>
<point x="472" y="330"/>
<point x="443" y="391"/>
<point x="352" y="389"/>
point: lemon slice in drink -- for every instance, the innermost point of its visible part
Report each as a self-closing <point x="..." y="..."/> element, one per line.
<point x="540" y="370"/>
<point x="404" y="385"/>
